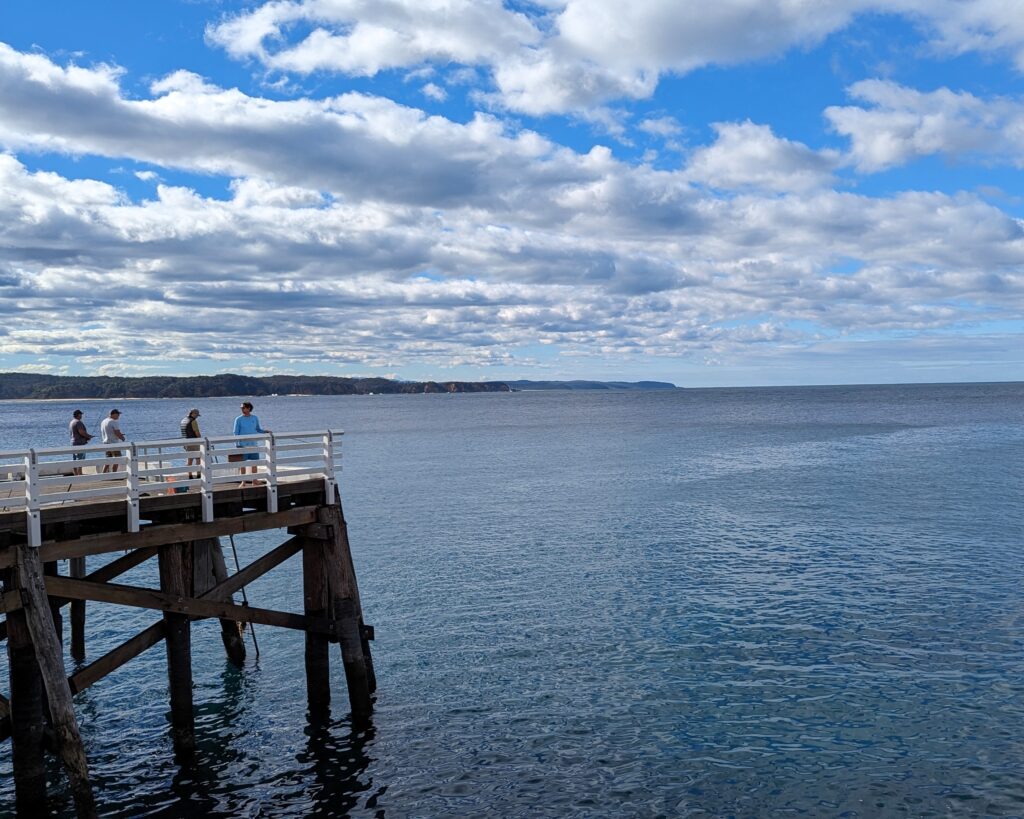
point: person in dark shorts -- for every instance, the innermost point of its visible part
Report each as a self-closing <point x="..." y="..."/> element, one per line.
<point x="190" y="429"/>
<point x="79" y="437"/>
<point x="247" y="424"/>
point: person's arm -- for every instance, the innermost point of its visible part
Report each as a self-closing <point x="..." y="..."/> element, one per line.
<point x="120" y="435"/>
<point x="260" y="429"/>
<point x="238" y="426"/>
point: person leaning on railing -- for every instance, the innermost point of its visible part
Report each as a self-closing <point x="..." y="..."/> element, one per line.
<point x="110" y="429"/>
<point x="79" y="437"/>
<point x="248" y="424"/>
<point x="190" y="429"/>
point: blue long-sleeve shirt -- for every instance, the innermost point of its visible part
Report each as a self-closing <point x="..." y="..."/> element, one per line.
<point x="247" y="426"/>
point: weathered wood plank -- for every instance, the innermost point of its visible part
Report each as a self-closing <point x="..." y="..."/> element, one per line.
<point x="113" y="569"/>
<point x="255" y="570"/>
<point x="179" y="604"/>
<point x="162" y="534"/>
<point x="51" y="664"/>
<point x="115" y="658"/>
<point x="345" y="609"/>
<point x="336" y="514"/>
<point x="316" y="600"/>
<point x="76" y="568"/>
<point x="210" y="570"/>
<point x="176" y="582"/>
<point x="308" y="492"/>
<point x="27" y="722"/>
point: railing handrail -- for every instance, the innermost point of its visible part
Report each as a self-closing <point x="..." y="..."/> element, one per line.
<point x="37" y="476"/>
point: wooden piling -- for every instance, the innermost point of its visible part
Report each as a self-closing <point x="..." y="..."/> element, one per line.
<point x="194" y="585"/>
<point x="210" y="569"/>
<point x="336" y="515"/>
<point x="316" y="603"/>
<point x="27" y="720"/>
<point x="345" y="608"/>
<point x="39" y="620"/>
<point x="52" y="569"/>
<point x="176" y="579"/>
<point x="76" y="568"/>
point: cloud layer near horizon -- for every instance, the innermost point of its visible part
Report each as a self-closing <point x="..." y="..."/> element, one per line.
<point x="371" y="234"/>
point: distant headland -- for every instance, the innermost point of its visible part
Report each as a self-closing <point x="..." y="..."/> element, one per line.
<point x="41" y="386"/>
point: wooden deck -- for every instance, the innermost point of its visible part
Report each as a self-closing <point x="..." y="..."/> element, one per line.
<point x="95" y="527"/>
<point x="159" y="506"/>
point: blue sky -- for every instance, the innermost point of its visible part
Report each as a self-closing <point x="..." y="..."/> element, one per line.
<point x="754" y="192"/>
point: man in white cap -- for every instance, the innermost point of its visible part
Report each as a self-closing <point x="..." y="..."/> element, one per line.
<point x="110" y="429"/>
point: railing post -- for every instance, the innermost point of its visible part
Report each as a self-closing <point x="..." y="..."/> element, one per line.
<point x="206" y="479"/>
<point x="132" y="479"/>
<point x="33" y="521"/>
<point x="329" y="466"/>
<point x="271" y="473"/>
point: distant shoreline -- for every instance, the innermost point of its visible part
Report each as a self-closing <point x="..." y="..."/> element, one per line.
<point x="45" y="387"/>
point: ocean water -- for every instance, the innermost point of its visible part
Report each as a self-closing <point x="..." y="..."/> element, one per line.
<point x="747" y="602"/>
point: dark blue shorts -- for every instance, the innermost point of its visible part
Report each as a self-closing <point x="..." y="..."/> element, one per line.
<point x="77" y="456"/>
<point x="250" y="456"/>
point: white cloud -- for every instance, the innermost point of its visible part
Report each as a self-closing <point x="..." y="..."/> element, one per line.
<point x="338" y="207"/>
<point x="644" y="267"/>
<point x="571" y="55"/>
<point x="435" y="92"/>
<point x="664" y="127"/>
<point x="363" y="37"/>
<point x="900" y="124"/>
<point x="746" y="155"/>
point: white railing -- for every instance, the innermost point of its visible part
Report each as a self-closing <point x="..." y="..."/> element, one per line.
<point x="38" y="479"/>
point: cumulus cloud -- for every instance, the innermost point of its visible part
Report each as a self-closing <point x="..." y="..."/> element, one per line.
<point x="746" y="155"/>
<point x="435" y="92"/>
<point x="897" y="124"/>
<point x="571" y="55"/>
<point x="360" y="232"/>
<point x="287" y="264"/>
<point x="363" y="37"/>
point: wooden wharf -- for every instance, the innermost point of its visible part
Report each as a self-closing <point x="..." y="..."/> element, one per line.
<point x="171" y="500"/>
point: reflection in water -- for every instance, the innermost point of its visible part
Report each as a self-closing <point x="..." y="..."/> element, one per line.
<point x="337" y="759"/>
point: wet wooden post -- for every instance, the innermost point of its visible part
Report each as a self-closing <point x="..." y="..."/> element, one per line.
<point x="345" y="609"/>
<point x="52" y="569"/>
<point x="210" y="570"/>
<point x="27" y="718"/>
<point x="33" y="593"/>
<point x="175" y="562"/>
<point x="316" y="602"/>
<point x="352" y="586"/>
<point x="50" y="657"/>
<point x="76" y="568"/>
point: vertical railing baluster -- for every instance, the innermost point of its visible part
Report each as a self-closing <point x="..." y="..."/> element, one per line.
<point x="33" y="521"/>
<point x="206" y="479"/>
<point x="271" y="473"/>
<point x="132" y="486"/>
<point x="328" y="455"/>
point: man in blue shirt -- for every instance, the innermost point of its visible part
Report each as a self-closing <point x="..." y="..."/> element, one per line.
<point x="248" y="424"/>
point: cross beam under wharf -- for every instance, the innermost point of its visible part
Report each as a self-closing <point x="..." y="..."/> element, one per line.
<point x="194" y="585"/>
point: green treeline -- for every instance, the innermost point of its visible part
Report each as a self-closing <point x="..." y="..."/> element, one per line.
<point x="41" y="386"/>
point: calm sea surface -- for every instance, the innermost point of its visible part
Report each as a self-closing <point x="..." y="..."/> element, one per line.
<point x="744" y="602"/>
